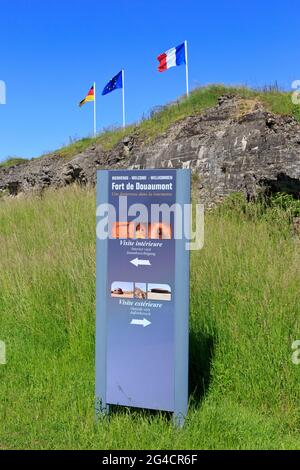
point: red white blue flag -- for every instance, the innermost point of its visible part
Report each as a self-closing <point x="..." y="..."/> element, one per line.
<point x="172" y="58"/>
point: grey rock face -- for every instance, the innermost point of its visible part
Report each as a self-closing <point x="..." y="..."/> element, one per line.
<point x="235" y="146"/>
<point x="54" y="171"/>
<point x="36" y="174"/>
<point x="82" y="168"/>
<point x="230" y="151"/>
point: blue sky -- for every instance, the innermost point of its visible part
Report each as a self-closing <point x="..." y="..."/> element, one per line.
<point x="52" y="51"/>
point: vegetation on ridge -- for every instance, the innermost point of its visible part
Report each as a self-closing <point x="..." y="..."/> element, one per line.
<point x="162" y="117"/>
<point x="11" y="161"/>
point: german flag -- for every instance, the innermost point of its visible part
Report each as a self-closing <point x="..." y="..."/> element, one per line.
<point x="89" y="97"/>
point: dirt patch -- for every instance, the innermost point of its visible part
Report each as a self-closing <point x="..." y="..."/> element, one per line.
<point x="247" y="106"/>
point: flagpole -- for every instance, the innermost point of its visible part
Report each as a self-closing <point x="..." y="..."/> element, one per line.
<point x="123" y="97"/>
<point x="95" y="116"/>
<point x="186" y="69"/>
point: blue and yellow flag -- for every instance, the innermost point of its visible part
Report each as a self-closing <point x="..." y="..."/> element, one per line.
<point x="113" y="84"/>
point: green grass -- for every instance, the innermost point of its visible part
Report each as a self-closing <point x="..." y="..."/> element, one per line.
<point x="158" y="122"/>
<point x="11" y="161"/>
<point x="245" y="307"/>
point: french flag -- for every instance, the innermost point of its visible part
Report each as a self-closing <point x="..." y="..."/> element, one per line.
<point x="171" y="58"/>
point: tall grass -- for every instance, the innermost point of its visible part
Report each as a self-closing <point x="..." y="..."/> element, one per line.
<point x="244" y="316"/>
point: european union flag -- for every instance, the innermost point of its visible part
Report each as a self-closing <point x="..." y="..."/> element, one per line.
<point x="113" y="84"/>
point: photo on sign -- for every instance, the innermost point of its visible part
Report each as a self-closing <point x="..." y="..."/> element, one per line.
<point x="160" y="231"/>
<point x="120" y="230"/>
<point x="140" y="290"/>
<point x="156" y="231"/>
<point x="159" y="292"/>
<point x="140" y="231"/>
<point x="122" y="290"/>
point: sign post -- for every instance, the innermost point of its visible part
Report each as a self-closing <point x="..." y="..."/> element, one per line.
<point x="142" y="324"/>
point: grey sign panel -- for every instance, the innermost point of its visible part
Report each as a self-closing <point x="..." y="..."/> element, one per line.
<point x="142" y="294"/>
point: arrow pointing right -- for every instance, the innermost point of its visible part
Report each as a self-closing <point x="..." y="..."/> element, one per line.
<point x="143" y="322"/>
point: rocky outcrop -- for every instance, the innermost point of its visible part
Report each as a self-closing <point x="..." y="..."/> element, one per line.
<point x="231" y="150"/>
<point x="43" y="172"/>
<point x="235" y="146"/>
<point x="82" y="168"/>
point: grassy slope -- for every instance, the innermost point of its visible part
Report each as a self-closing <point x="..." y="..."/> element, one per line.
<point x="199" y="100"/>
<point x="244" y="316"/>
<point x="11" y="161"/>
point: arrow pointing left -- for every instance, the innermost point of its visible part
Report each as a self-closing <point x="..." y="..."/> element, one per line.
<point x="140" y="262"/>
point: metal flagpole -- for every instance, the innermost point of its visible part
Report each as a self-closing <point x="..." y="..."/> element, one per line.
<point x="186" y="68"/>
<point x="95" y="116"/>
<point x="123" y="97"/>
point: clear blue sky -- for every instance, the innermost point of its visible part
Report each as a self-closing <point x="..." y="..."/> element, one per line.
<point x="52" y="51"/>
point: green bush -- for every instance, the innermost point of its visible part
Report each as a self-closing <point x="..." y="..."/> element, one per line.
<point x="278" y="210"/>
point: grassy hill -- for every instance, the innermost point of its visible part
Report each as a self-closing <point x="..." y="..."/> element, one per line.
<point x="244" y="317"/>
<point x="159" y="119"/>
